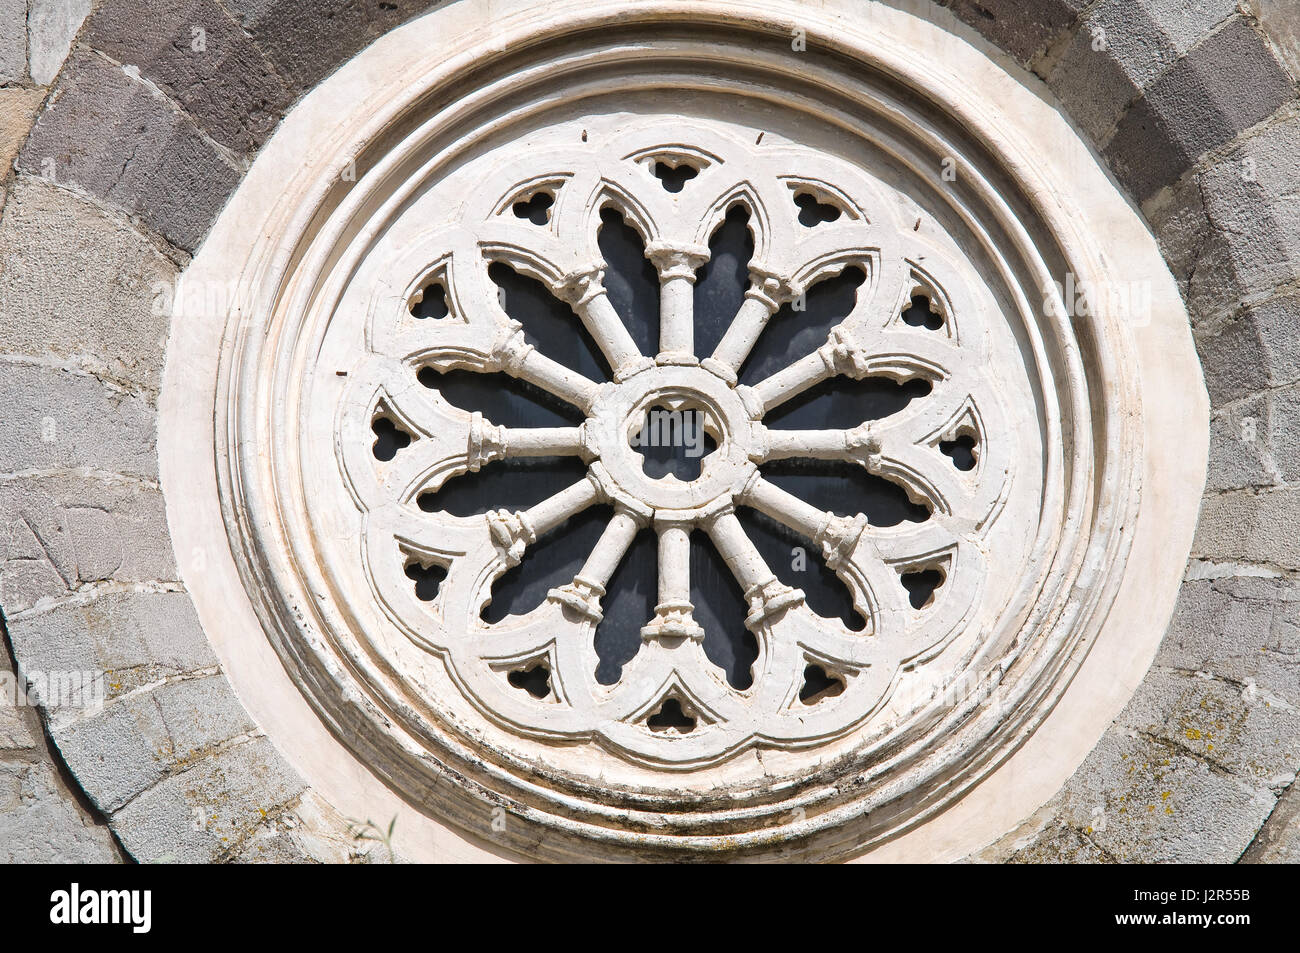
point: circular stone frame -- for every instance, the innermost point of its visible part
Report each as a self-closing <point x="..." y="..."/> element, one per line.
<point x="1031" y="730"/>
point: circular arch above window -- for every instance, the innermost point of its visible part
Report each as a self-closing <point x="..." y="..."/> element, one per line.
<point x="688" y="429"/>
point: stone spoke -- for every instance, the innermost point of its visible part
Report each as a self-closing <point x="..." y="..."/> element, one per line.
<point x="585" y="593"/>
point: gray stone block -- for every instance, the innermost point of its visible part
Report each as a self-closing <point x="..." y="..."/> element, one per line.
<point x="1241" y="447"/>
<point x="56" y="419"/>
<point x="135" y="638"/>
<point x="107" y="132"/>
<point x="308" y="39"/>
<point x="13" y="41"/>
<point x="1231" y="235"/>
<point x="40" y="823"/>
<point x="1119" y="48"/>
<point x="120" y="751"/>
<point x="1242" y="729"/>
<point x="1142" y="801"/>
<point x="81" y="286"/>
<point x="1284" y="433"/>
<point x="1224" y="85"/>
<point x="201" y="58"/>
<point x="52" y="25"/>
<point x="1257" y="350"/>
<point x="1251" y="527"/>
<point x="1242" y="628"/>
<point x="82" y="530"/>
<point x="1024" y="28"/>
<point x="211" y="810"/>
<point x="1278" y="841"/>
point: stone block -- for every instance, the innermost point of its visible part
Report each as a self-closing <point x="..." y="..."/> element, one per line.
<point x="52" y="25"/>
<point x="1259" y="349"/>
<point x="211" y="810"/>
<point x="1242" y="628"/>
<point x="308" y="39"/>
<point x="18" y="107"/>
<point x="1241" y="447"/>
<point x="107" y="132"/>
<point x="1242" y="729"/>
<point x="82" y="286"/>
<point x="1280" y="21"/>
<point x="1142" y="801"/>
<point x="1252" y="527"/>
<point x="1024" y="28"/>
<point x="1224" y="85"/>
<point x="55" y="418"/>
<point x="13" y="41"/>
<point x="41" y="823"/>
<point x="201" y="58"/>
<point x="1278" y="841"/>
<point x="81" y="530"/>
<point x="134" y="638"/>
<point x="120" y="751"/>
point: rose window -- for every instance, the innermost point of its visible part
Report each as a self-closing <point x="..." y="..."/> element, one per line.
<point x="634" y="436"/>
<point x="539" y="222"/>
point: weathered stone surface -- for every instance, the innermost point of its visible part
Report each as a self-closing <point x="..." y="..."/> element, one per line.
<point x="201" y="58"/>
<point x="1242" y="628"/>
<point x="1141" y="800"/>
<point x="1244" y="730"/>
<point x="1284" y="432"/>
<point x="52" y="25"/>
<point x="1231" y="235"/>
<point x="55" y="418"/>
<point x="15" y="734"/>
<point x="135" y="638"/>
<point x="1224" y="85"/>
<point x="118" y="752"/>
<point x="13" y="40"/>
<point x="110" y="134"/>
<point x="1259" y="527"/>
<point x="210" y="810"/>
<point x="1278" y="841"/>
<point x="109" y="313"/>
<point x="1259" y="349"/>
<point x="1280" y="21"/>
<point x="1024" y="28"/>
<point x="1241" y="447"/>
<point x="308" y="39"/>
<point x="41" y="824"/>
<point x="18" y="106"/>
<point x="1119" y="47"/>
<point x="63" y="531"/>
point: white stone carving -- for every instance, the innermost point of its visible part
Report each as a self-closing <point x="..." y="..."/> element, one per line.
<point x="1035" y="622"/>
<point x="972" y="373"/>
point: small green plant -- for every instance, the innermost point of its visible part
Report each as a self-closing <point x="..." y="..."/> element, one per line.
<point x="368" y="830"/>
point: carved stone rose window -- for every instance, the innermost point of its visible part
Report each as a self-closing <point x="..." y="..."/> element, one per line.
<point x="537" y="207"/>
<point x="680" y="442"/>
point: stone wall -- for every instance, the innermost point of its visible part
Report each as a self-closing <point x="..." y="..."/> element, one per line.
<point x="148" y="128"/>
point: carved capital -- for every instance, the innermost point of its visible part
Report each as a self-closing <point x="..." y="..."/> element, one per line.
<point x="768" y="599"/>
<point x="582" y="596"/>
<point x="843" y="356"/>
<point x="579" y="287"/>
<point x="512" y="534"/>
<point x="770" y="289"/>
<point x="487" y="442"/>
<point x="673" y="620"/>
<point x="677" y="261"/>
